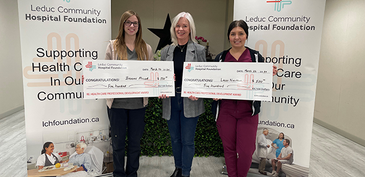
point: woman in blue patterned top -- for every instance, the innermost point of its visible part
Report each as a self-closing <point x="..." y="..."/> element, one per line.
<point x="279" y="144"/>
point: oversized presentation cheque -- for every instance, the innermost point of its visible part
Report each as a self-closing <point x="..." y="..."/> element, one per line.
<point x="228" y="80"/>
<point x="125" y="79"/>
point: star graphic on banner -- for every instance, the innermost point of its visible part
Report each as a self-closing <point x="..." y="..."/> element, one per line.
<point x="163" y="34"/>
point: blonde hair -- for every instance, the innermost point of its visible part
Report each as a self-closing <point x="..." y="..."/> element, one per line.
<point x="82" y="145"/>
<point x="140" y="45"/>
<point x="191" y="24"/>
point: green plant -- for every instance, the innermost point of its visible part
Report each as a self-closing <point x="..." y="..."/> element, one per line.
<point x="157" y="55"/>
<point x="156" y="138"/>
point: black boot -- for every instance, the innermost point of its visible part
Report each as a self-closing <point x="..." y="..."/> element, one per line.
<point x="177" y="172"/>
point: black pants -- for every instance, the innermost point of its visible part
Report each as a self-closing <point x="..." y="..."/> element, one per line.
<point x="121" y="121"/>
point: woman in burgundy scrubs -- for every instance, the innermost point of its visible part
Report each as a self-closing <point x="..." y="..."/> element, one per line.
<point x="238" y="119"/>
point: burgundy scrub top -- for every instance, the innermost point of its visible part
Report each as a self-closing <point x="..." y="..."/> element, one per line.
<point x="237" y="108"/>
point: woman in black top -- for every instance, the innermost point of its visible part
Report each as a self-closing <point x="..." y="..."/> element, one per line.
<point x="182" y="113"/>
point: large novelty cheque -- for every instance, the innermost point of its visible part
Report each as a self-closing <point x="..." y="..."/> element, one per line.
<point x="241" y="81"/>
<point x="124" y="79"/>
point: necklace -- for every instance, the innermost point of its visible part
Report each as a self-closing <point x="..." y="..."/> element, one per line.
<point x="181" y="48"/>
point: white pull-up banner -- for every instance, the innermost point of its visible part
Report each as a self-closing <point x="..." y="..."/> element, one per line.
<point x="288" y="34"/>
<point x="56" y="36"/>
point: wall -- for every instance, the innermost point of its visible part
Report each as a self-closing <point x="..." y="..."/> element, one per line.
<point x="341" y="83"/>
<point x="210" y="18"/>
<point x="11" y="87"/>
<point x="229" y="19"/>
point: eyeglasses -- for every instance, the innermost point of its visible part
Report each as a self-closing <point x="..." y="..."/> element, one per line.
<point x="129" y="23"/>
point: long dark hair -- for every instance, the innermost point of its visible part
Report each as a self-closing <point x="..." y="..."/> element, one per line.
<point x="45" y="145"/>
<point x="140" y="44"/>
<point x="237" y="23"/>
<point x="283" y="135"/>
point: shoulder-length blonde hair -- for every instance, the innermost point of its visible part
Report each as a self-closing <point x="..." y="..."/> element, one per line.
<point x="140" y="45"/>
<point x="191" y="24"/>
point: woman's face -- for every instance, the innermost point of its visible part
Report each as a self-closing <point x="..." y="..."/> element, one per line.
<point x="281" y="136"/>
<point x="50" y="148"/>
<point x="237" y="37"/>
<point x="79" y="150"/>
<point x="182" y="29"/>
<point x="131" y="26"/>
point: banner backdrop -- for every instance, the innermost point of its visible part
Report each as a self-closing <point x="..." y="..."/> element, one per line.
<point x="56" y="36"/>
<point x="287" y="34"/>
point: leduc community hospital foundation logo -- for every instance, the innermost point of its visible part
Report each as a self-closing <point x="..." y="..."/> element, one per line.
<point x="189" y="68"/>
<point x="279" y="4"/>
<point x="90" y="66"/>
